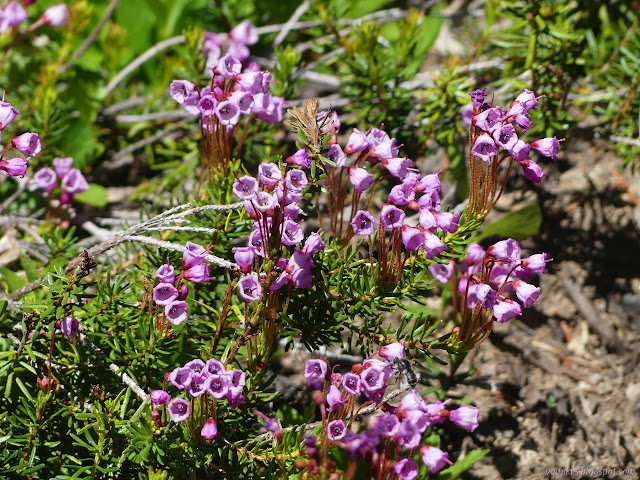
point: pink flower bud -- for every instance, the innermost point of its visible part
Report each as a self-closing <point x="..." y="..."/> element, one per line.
<point x="12" y="16"/>
<point x="357" y="142"/>
<point x="412" y="238"/>
<point x="520" y="151"/>
<point x="302" y="158"/>
<point x="360" y="179"/>
<point x="244" y="257"/>
<point x="197" y="273"/>
<point x="547" y="146"/>
<point x="393" y="350"/>
<point x="334" y="399"/>
<point x="56" y="16"/>
<point x="70" y="327"/>
<point x="434" y="458"/>
<point x="406" y="469"/>
<point x="465" y="417"/>
<point x="314" y="244"/>
<point x="193" y="255"/>
<point x="209" y="429"/>
<point x="245" y="33"/>
<point x="505" y="310"/>
<point x="527" y="293"/>
<point x="398" y="167"/>
<point x="7" y="114"/>
<point x="159" y="397"/>
<point x="16" y="167"/>
<point x="532" y="170"/>
<point x="505" y="250"/>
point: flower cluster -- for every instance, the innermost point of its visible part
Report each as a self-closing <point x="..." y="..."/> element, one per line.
<point x="28" y="143"/>
<point x="14" y="14"/>
<point x="490" y="278"/>
<point x="272" y="200"/>
<point x="400" y="427"/>
<point x="410" y="220"/>
<point x="169" y="293"/>
<point x="204" y="381"/>
<point x="237" y="87"/>
<point x="489" y="286"/>
<point x="414" y="192"/>
<point x="71" y="179"/>
<point x="498" y="127"/>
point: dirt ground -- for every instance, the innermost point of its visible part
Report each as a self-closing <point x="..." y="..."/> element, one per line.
<point x="560" y="388"/>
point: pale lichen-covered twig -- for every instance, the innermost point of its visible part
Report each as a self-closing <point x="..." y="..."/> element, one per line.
<point x="221" y="262"/>
<point x="160" y="47"/>
<point x="126" y="379"/>
<point x="164" y="218"/>
<point x="290" y="24"/>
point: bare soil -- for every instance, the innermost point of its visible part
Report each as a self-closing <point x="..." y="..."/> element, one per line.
<point x="559" y="389"/>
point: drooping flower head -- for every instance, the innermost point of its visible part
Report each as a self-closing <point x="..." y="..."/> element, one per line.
<point x="249" y="288"/>
<point x="315" y="373"/>
<point x="363" y="223"/>
<point x="179" y="410"/>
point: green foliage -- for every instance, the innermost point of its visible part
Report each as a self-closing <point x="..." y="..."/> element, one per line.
<point x="72" y="407"/>
<point x="519" y="224"/>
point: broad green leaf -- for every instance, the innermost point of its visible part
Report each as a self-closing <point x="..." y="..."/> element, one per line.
<point x="463" y="464"/>
<point x="29" y="267"/>
<point x="14" y="281"/>
<point x="518" y="225"/>
<point x="425" y="38"/>
<point x="79" y="142"/>
<point x="96" y="196"/>
<point x="359" y="9"/>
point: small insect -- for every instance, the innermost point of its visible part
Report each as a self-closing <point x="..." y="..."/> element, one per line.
<point x="403" y="367"/>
